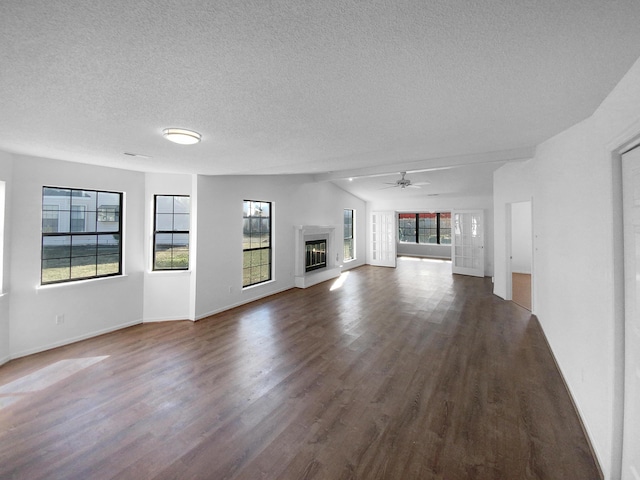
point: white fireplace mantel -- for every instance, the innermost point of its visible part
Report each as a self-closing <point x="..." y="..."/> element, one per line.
<point x="304" y="233"/>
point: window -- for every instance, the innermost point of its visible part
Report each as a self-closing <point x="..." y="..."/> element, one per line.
<point x="256" y="242"/>
<point x="75" y="245"/>
<point x="348" y="235"/>
<point x="425" y="228"/>
<point x="171" y="231"/>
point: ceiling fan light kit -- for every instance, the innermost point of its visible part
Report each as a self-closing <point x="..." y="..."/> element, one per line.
<point x="181" y="136"/>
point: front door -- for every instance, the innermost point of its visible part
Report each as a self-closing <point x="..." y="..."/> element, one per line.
<point x="467" y="246"/>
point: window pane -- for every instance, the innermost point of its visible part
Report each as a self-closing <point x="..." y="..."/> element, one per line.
<point x="108" y="264"/>
<point x="56" y="247"/>
<point x="428" y="228"/>
<point x="50" y="216"/>
<point x="56" y="270"/>
<point x="162" y="254"/>
<point x="84" y="245"/>
<point x="84" y="198"/>
<point x="77" y="219"/>
<point x="181" y="222"/>
<point x="407" y="227"/>
<point x="264" y="208"/>
<point x="108" y="244"/>
<point x="445" y="228"/>
<point x="83" y="267"/>
<point x="108" y="219"/>
<point x="164" y="204"/>
<point x="181" y="204"/>
<point x="164" y="222"/>
<point x="108" y="199"/>
<point x="180" y="250"/>
<point x="64" y="221"/>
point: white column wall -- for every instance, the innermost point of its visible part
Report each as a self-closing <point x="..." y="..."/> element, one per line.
<point x="511" y="183"/>
<point x="167" y="294"/>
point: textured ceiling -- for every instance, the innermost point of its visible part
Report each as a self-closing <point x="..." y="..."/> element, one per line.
<point x="297" y="86"/>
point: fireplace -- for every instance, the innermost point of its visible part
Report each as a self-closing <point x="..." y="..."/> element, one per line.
<point x="316" y="255"/>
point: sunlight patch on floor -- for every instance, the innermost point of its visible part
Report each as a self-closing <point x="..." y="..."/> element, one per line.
<point x="339" y="281"/>
<point x="43" y="378"/>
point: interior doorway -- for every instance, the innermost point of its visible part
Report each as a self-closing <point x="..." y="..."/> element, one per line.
<point x="520" y="254"/>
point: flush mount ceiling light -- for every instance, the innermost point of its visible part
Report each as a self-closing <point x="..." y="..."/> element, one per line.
<point x="181" y="136"/>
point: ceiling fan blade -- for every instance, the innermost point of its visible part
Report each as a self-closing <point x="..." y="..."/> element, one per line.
<point x="413" y="186"/>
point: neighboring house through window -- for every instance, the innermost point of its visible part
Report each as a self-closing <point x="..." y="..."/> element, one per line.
<point x="171" y="231"/>
<point x="349" y="252"/>
<point x="256" y="242"/>
<point x="75" y="245"/>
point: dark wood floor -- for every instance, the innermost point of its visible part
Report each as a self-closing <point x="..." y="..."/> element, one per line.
<point x="407" y="373"/>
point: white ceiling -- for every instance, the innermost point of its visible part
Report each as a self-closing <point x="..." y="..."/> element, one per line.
<point x="335" y="88"/>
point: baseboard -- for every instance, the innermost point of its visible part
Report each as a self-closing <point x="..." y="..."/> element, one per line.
<point x="435" y="257"/>
<point x="576" y="408"/>
<point x="239" y="304"/>
<point x="5" y="360"/>
<point x="69" y="341"/>
<point x="166" y="319"/>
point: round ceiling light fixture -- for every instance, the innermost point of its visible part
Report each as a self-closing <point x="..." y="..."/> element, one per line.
<point x="181" y="136"/>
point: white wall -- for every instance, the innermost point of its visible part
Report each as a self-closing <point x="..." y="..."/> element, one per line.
<point x="27" y="324"/>
<point x="296" y="201"/>
<point x="419" y="250"/>
<point x="6" y="167"/>
<point x="167" y="294"/>
<point x="445" y="204"/>
<point x="89" y="307"/>
<point x="574" y="190"/>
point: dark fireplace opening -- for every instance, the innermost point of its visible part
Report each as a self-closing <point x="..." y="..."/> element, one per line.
<point x="316" y="255"/>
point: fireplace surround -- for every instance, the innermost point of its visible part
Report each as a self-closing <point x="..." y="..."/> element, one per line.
<point x="304" y="278"/>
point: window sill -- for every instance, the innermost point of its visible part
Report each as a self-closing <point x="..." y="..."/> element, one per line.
<point x="168" y="272"/>
<point x="250" y="287"/>
<point x="55" y="286"/>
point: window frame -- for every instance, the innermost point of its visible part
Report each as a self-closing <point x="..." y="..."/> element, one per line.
<point x="71" y="232"/>
<point x="350" y="236"/>
<point x="419" y="230"/>
<point x="171" y="232"/>
<point x="268" y="248"/>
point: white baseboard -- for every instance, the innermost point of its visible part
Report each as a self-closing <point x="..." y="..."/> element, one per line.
<point x="68" y="341"/>
<point x="238" y="304"/>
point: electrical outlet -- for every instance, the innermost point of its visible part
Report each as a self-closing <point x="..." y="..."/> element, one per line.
<point x="230" y="289"/>
<point x="60" y="319"/>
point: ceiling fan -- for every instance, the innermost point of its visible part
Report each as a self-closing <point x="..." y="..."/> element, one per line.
<point x="405" y="182"/>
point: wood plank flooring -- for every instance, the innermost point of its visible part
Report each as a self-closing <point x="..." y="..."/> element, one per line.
<point x="407" y="373"/>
